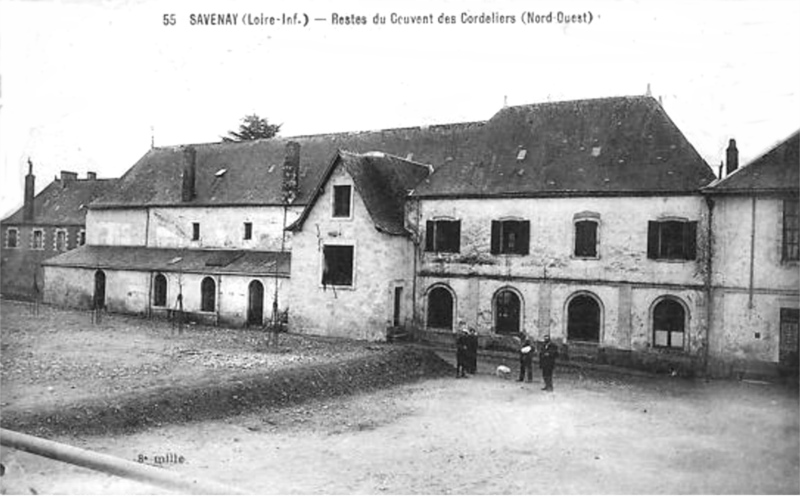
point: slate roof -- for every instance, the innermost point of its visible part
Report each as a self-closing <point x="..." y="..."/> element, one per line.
<point x="382" y="181"/>
<point x="777" y="170"/>
<point x="608" y="146"/>
<point x="63" y="203"/>
<point x="254" y="169"/>
<point x="235" y="262"/>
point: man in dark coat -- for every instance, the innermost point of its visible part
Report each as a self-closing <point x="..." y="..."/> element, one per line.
<point x="525" y="359"/>
<point x="472" y="352"/>
<point x="462" y="352"/>
<point x="547" y="362"/>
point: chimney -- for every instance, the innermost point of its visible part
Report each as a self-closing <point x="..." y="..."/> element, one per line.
<point x="68" y="176"/>
<point x="732" y="155"/>
<point x="189" y="172"/>
<point x="291" y="172"/>
<point x="721" y="170"/>
<point x="30" y="179"/>
<point x="92" y="176"/>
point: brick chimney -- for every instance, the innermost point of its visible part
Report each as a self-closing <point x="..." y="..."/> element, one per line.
<point x="30" y="181"/>
<point x="189" y="172"/>
<point x="291" y="172"/>
<point x="732" y="155"/>
<point x="92" y="176"/>
<point x="68" y="176"/>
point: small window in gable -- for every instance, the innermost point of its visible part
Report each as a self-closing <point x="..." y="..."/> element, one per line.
<point x="342" y="195"/>
<point x="443" y="236"/>
<point x="510" y="237"/>
<point x="586" y="238"/>
<point x="248" y="230"/>
<point x="672" y="240"/>
<point x="12" y="237"/>
<point x="337" y="268"/>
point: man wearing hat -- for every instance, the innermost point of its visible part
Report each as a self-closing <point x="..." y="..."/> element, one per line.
<point x="547" y="362"/>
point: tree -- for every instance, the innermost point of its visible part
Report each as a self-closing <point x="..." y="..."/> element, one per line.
<point x="252" y="127"/>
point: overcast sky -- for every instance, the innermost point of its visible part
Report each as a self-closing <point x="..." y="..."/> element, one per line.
<point x="83" y="82"/>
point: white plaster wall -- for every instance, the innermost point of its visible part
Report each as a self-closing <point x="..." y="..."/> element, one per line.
<point x="116" y="227"/>
<point x="381" y="262"/>
<point x="622" y="238"/>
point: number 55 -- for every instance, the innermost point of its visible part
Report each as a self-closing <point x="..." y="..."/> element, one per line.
<point x="169" y="19"/>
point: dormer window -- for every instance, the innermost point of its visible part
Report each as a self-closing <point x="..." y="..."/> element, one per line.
<point x="342" y="196"/>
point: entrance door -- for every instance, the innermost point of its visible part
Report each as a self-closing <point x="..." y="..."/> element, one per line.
<point x="440" y="309"/>
<point x="99" y="290"/>
<point x="789" y="347"/>
<point x="255" y="308"/>
<point x="398" y="298"/>
<point x="583" y="320"/>
<point x="507" y="312"/>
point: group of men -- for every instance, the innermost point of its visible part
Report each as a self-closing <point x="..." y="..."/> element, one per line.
<point x="467" y="357"/>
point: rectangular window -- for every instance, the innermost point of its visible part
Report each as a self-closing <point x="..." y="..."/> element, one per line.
<point x="11" y="237"/>
<point x="82" y="237"/>
<point x="248" y="230"/>
<point x="672" y="240"/>
<point x="341" y="201"/>
<point x="61" y="240"/>
<point x="510" y="237"/>
<point x="791" y="231"/>
<point x="443" y="236"/>
<point x="586" y="238"/>
<point x="37" y="239"/>
<point x="337" y="267"/>
<point x="195" y="231"/>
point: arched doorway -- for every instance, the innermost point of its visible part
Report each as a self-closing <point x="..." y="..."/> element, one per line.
<point x="160" y="290"/>
<point x="208" y="296"/>
<point x="583" y="319"/>
<point x="99" y="290"/>
<point x="255" y="307"/>
<point x="507" y="310"/>
<point x="669" y="323"/>
<point x="440" y="308"/>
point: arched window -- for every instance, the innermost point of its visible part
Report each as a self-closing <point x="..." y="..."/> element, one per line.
<point x="507" y="307"/>
<point x="208" y="289"/>
<point x="160" y="290"/>
<point x="669" y="321"/>
<point x="440" y="308"/>
<point x="583" y="319"/>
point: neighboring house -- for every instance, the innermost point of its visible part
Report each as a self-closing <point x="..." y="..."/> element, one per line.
<point x="352" y="256"/>
<point x="755" y="281"/>
<point x="579" y="220"/>
<point x="48" y="224"/>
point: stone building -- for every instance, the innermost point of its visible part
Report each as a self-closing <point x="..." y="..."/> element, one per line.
<point x="755" y="283"/>
<point x="47" y="224"/>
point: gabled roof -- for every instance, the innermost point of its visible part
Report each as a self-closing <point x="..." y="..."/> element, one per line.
<point x="254" y="174"/>
<point x="63" y="202"/>
<point x="608" y="146"/>
<point x="776" y="171"/>
<point x="234" y="262"/>
<point x="382" y="181"/>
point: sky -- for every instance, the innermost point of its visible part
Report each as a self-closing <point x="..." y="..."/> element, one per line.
<point x="87" y="85"/>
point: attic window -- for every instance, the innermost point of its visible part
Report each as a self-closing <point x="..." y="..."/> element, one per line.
<point x="341" y="201"/>
<point x="221" y="172"/>
<point x="522" y="154"/>
<point x="596" y="151"/>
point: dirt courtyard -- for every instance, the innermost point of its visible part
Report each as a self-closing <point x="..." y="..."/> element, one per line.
<point x="475" y="436"/>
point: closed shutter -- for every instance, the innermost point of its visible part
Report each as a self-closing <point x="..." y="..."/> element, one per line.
<point x="690" y="240"/>
<point x="652" y="239"/>
<point x="456" y="243"/>
<point x="496" y="227"/>
<point x="525" y="237"/>
<point x="429" y="228"/>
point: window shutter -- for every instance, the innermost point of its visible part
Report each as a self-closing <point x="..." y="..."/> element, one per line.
<point x="495" y="248"/>
<point x="429" y="228"/>
<point x="525" y="237"/>
<point x="652" y="239"/>
<point x="457" y="235"/>
<point x="690" y="240"/>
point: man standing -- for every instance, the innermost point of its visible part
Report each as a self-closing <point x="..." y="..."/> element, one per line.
<point x="547" y="362"/>
<point x="472" y="352"/>
<point x="525" y="359"/>
<point x="462" y="350"/>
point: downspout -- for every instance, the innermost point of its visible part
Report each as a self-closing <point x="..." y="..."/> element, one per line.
<point x="752" y="253"/>
<point x="708" y="281"/>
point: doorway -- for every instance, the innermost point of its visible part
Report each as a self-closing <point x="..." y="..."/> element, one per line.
<point x="255" y="307"/>
<point x="99" y="290"/>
